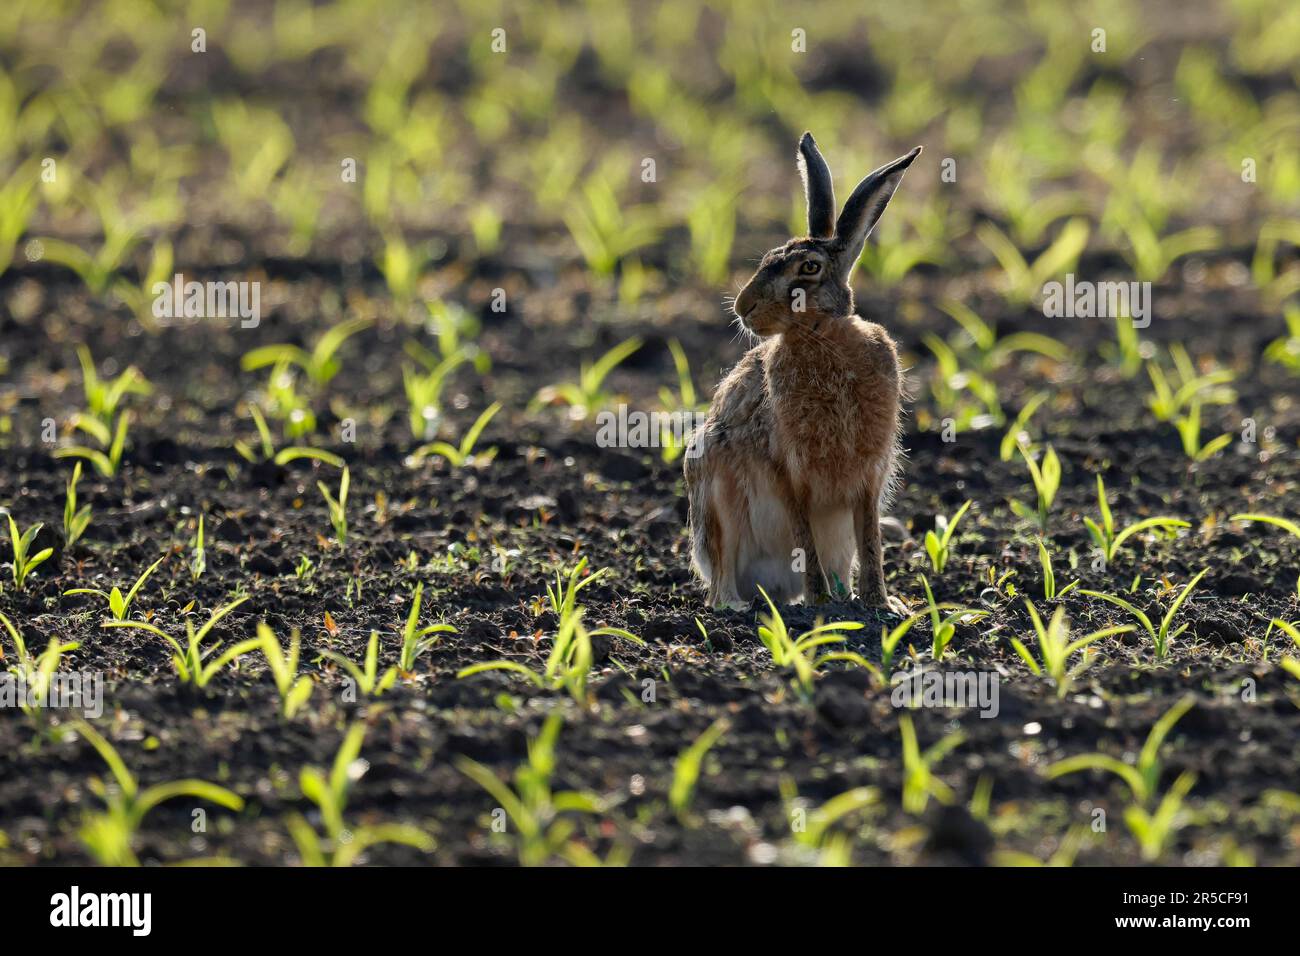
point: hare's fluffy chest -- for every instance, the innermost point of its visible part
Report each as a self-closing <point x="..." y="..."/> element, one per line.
<point x="835" y="399"/>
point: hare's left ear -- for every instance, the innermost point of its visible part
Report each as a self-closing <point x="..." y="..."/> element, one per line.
<point x="863" y="210"/>
<point x="817" y="187"/>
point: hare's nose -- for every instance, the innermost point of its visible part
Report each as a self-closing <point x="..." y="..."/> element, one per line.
<point x="744" y="302"/>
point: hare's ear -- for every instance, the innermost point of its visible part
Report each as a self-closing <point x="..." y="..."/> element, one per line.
<point x="817" y="188"/>
<point x="862" y="211"/>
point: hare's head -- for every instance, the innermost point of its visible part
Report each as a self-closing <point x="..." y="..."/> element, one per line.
<point x="807" y="280"/>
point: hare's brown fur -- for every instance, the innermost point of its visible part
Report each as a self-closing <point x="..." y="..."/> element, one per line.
<point x="787" y="476"/>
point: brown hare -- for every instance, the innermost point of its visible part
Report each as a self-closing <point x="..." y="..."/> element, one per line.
<point x="787" y="477"/>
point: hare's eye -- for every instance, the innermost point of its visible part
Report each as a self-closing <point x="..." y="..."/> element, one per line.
<point x="809" y="267"/>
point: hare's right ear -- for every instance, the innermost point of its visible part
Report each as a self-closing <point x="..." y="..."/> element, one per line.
<point x="817" y="187"/>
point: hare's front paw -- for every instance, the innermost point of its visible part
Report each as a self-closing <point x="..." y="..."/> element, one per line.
<point x="897" y="606"/>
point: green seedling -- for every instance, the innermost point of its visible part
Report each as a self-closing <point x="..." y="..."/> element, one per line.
<point x="995" y="351"/>
<point x="199" y="561"/>
<point x="1152" y="829"/>
<point x="687" y="767"/>
<point x="295" y="690"/>
<point x="1064" y="856"/>
<point x="75" y="520"/>
<point x="1290" y="527"/>
<point x="542" y="828"/>
<point x="462" y="453"/>
<point x="1189" y="432"/>
<point x="342" y="845"/>
<point x="813" y="828"/>
<point x="417" y="640"/>
<point x="889" y="641"/>
<point x="800" y="654"/>
<point x="1104" y="535"/>
<point x="1167" y="402"/>
<point x="586" y="396"/>
<point x="104" y="396"/>
<point x="24" y="563"/>
<point x="424" y="389"/>
<point x="1285" y="350"/>
<point x="944" y="629"/>
<point x="1049" y="575"/>
<point x="285" y="455"/>
<point x="1055" y="648"/>
<point x="196" y="665"/>
<point x="1047" y="482"/>
<point x="338" y="507"/>
<point x="108" y="834"/>
<point x="118" y="605"/>
<point x="568" y="665"/>
<point x="919" y="781"/>
<point x="320" y="363"/>
<point x="936" y="545"/>
<point x="37" y="671"/>
<point x="106" y="463"/>
<point x="1143" y="775"/>
<point x="1162" y="636"/>
<point x="1017" y="435"/>
<point x="1022" y="280"/>
<point x="367" y="677"/>
<point x="604" y="231"/>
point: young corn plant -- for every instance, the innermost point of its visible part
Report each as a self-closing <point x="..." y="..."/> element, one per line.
<point x="1152" y="828"/>
<point x="1285" y="350"/>
<point x="1189" y="432"/>
<point x="462" y="453"/>
<point x="104" y="396"/>
<point x="108" y="834"/>
<point x="542" y="821"/>
<point x="936" y="545"/>
<point x="813" y="828"/>
<point x="199" y="559"/>
<point x="1290" y="527"/>
<point x="993" y="351"/>
<point x="1050" y="592"/>
<point x="338" y="507"/>
<point x="295" y="690"/>
<point x="1108" y="540"/>
<point x="320" y="363"/>
<point x="424" y="389"/>
<point x="36" y="670"/>
<point x="568" y="665"/>
<point x="196" y="665"/>
<point x="1023" y="280"/>
<point x="800" y="654"/>
<point x="417" y="640"/>
<point x="119" y="605"/>
<point x="75" y="520"/>
<point x="342" y="844"/>
<point x="108" y="462"/>
<point x="1017" y="435"/>
<point x="889" y="641"/>
<point x="1055" y="648"/>
<point x="687" y="768"/>
<point x="24" y="562"/>
<point x="1167" y="401"/>
<point x="919" y="781"/>
<point x="1162" y="636"/>
<point x="586" y="394"/>
<point x="367" y="676"/>
<point x="944" y="629"/>
<point x="266" y="446"/>
<point x="1047" y="482"/>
